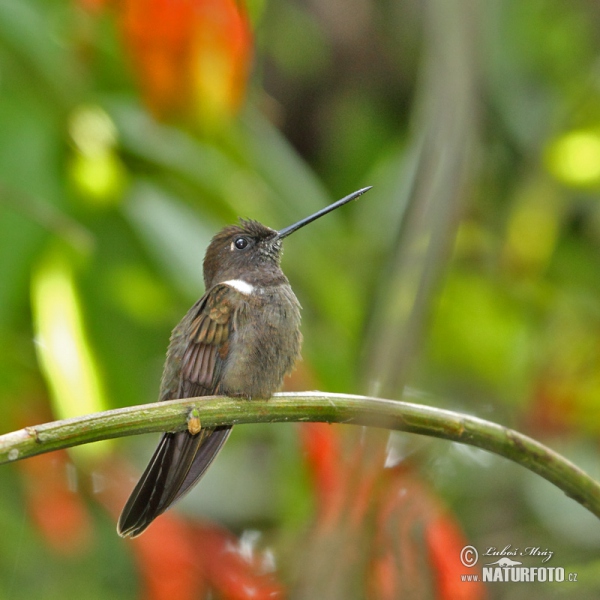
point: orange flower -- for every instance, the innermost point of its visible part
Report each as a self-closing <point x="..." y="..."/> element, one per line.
<point x="59" y="513"/>
<point x="191" y="57"/>
<point x="186" y="559"/>
<point x="379" y="533"/>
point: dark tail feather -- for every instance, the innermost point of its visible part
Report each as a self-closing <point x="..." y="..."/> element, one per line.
<point x="176" y="465"/>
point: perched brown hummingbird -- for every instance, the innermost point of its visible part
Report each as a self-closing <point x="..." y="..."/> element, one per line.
<point x="240" y="339"/>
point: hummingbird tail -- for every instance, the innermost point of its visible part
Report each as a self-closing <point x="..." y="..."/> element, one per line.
<point x="176" y="465"/>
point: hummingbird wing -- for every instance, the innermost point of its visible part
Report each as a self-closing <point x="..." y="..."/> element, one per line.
<point x="198" y="350"/>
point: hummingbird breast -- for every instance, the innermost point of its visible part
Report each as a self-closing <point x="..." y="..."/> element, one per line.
<point x="265" y="342"/>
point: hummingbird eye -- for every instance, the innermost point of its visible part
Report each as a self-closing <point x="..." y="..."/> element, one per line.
<point x="240" y="243"/>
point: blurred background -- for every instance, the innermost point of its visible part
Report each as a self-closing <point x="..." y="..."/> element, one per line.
<point x="469" y="278"/>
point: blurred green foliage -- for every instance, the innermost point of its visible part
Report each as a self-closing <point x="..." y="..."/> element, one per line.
<point x="128" y="204"/>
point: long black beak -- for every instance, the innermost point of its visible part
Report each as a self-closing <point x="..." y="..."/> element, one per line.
<point x="285" y="232"/>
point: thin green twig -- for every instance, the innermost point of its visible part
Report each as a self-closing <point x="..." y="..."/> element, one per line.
<point x="309" y="406"/>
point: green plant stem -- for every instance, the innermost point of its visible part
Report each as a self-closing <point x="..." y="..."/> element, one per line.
<point x="308" y="406"/>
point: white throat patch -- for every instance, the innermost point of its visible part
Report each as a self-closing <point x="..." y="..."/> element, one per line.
<point x="240" y="285"/>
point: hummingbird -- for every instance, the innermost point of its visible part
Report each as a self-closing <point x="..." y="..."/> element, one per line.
<point x="239" y="340"/>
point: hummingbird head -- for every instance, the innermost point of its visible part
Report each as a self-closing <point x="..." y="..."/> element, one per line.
<point x="251" y="251"/>
<point x="245" y="251"/>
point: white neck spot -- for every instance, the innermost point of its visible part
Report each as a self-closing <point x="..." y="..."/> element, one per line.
<point x="240" y="285"/>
